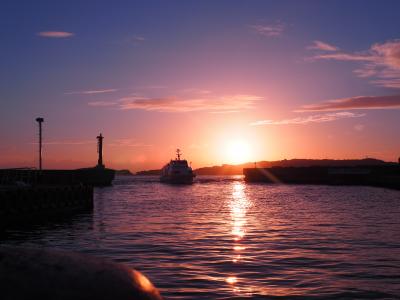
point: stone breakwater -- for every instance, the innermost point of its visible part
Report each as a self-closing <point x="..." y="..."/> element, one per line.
<point x="88" y="176"/>
<point x="26" y="202"/>
<point x="379" y="176"/>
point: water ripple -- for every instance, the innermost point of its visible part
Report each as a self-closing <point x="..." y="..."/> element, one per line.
<point x="221" y="238"/>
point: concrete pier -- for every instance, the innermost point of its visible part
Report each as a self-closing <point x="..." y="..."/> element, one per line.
<point x="97" y="176"/>
<point x="21" y="204"/>
<point x="380" y="176"/>
<point x="29" y="194"/>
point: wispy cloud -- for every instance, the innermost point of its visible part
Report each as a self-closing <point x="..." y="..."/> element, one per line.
<point x="128" y="143"/>
<point x="381" y="62"/>
<point x="174" y="104"/>
<point x="91" y="92"/>
<point x="55" y="34"/>
<point x="269" y="30"/>
<point x="318" y="45"/>
<point x="151" y="87"/>
<point x="104" y="91"/>
<point x="68" y="142"/>
<point x="208" y="103"/>
<point x="225" y="112"/>
<point x="196" y="91"/>
<point x="320" y="118"/>
<point x="359" y="127"/>
<point x="102" y="103"/>
<point x="346" y="57"/>
<point x="135" y="40"/>
<point x="138" y="38"/>
<point x="359" y="102"/>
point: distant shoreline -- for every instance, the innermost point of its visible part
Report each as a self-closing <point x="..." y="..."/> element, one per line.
<point x="227" y="169"/>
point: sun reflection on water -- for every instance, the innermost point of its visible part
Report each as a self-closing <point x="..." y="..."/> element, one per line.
<point x="238" y="205"/>
<point x="238" y="208"/>
<point x="231" y="280"/>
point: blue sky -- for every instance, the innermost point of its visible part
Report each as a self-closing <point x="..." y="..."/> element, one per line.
<point x="138" y="70"/>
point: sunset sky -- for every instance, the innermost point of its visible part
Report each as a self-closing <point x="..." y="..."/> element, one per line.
<point x="225" y="81"/>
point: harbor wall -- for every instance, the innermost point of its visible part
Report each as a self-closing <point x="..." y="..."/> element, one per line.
<point x="89" y="176"/>
<point x="25" y="203"/>
<point x="381" y="176"/>
<point x="28" y="194"/>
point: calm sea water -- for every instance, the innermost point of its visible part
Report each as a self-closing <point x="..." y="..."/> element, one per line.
<point x="221" y="238"/>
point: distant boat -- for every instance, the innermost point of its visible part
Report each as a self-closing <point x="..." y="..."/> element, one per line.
<point x="177" y="171"/>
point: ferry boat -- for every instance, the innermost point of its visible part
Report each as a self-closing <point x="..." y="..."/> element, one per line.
<point x="177" y="171"/>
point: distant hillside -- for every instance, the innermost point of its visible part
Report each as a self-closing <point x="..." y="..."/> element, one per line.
<point x="123" y="172"/>
<point x="224" y="169"/>
<point x="149" y="172"/>
<point x="238" y="169"/>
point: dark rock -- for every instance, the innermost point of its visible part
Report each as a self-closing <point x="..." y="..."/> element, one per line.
<point x="33" y="273"/>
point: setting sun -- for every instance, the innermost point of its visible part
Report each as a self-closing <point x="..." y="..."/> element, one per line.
<point x="237" y="151"/>
<point x="228" y="149"/>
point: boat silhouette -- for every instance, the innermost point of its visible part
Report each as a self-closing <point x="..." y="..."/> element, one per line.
<point x="177" y="171"/>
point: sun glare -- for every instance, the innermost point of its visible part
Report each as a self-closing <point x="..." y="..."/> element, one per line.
<point x="238" y="151"/>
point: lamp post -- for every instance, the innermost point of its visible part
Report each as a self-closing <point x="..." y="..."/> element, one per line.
<point x="40" y="121"/>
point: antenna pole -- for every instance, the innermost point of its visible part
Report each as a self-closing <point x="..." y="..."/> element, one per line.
<point x="40" y="121"/>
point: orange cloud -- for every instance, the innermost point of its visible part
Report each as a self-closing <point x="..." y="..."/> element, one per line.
<point x="318" y="45"/>
<point x="329" y="117"/>
<point x="346" y="57"/>
<point x="381" y="62"/>
<point x="55" y="34"/>
<point x="359" y="102"/>
<point x="174" y="104"/>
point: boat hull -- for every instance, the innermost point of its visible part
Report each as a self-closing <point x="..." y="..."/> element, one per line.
<point x="177" y="179"/>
